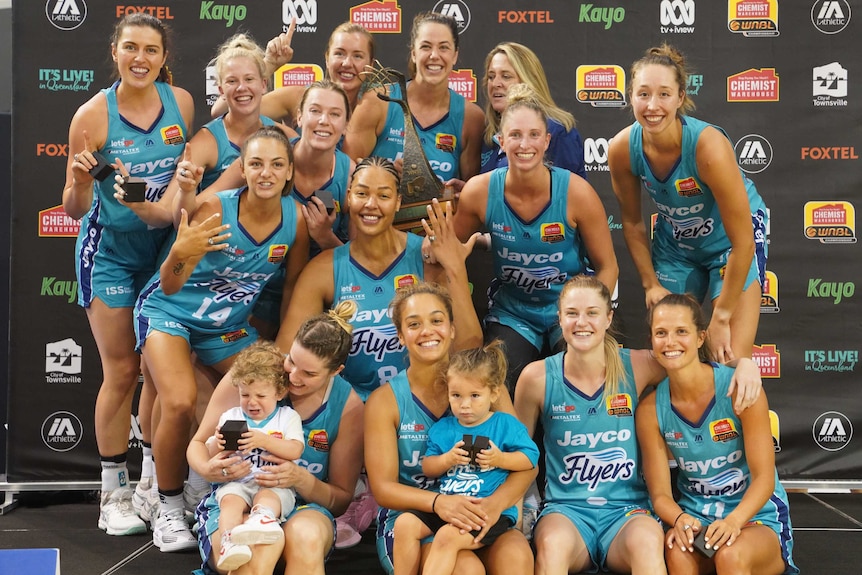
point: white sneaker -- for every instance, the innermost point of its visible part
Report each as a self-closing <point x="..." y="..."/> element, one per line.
<point x="146" y="504"/>
<point x="232" y="556"/>
<point x="171" y="532"/>
<point x="116" y="514"/>
<point x="260" y="528"/>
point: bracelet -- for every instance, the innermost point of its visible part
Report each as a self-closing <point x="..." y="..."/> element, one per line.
<point x="433" y="503"/>
<point x="677" y="518"/>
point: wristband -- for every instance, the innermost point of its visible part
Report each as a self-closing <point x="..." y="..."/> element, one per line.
<point x="677" y="518"/>
<point x="433" y="503"/>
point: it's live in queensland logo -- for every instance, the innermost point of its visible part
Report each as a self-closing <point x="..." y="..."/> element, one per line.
<point x="601" y="86"/>
<point x="753" y="18"/>
<point x="830" y="222"/>
<point x="831" y="360"/>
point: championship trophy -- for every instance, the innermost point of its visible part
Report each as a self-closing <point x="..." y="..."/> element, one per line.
<point x="419" y="183"/>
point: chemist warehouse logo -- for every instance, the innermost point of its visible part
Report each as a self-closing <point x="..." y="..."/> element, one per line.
<point x="753" y="153"/>
<point x="830" y="222"/>
<point x="62" y="431"/>
<point x="753" y="18"/>
<point x="56" y="223"/>
<point x="768" y="359"/>
<point x="458" y="10"/>
<point x="602" y="86"/>
<point x="463" y="81"/>
<point x="66" y="14"/>
<point x="769" y="298"/>
<point x="378" y="17"/>
<point x="832" y="431"/>
<point x="677" y="17"/>
<point x="753" y="85"/>
<point x="830" y="16"/>
<point x="305" y="12"/>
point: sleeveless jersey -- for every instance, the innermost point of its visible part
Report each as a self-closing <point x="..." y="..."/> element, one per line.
<point x="376" y="354"/>
<point x="223" y="287"/>
<point x="414" y="423"/>
<point x="710" y="453"/>
<point x="227" y="150"/>
<point x="532" y="260"/>
<point x="337" y="184"/>
<point x="151" y="153"/>
<point x="591" y="452"/>
<point x="688" y="214"/>
<point x="441" y="141"/>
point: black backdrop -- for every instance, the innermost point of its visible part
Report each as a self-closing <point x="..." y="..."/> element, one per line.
<point x="781" y="77"/>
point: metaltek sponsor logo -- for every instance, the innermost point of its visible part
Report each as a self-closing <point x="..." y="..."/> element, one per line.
<point x="753" y="153"/>
<point x="831" y="360"/>
<point x="753" y="85"/>
<point x="63" y="361"/>
<point x="608" y="16"/>
<point x="297" y="75"/>
<point x="836" y="291"/>
<point x="677" y="17"/>
<point x="828" y="153"/>
<point x="52" y="150"/>
<point x="66" y="14"/>
<point x="830" y="222"/>
<point x="378" y="16"/>
<point x="596" y="154"/>
<point x="160" y="12"/>
<point x="463" y="81"/>
<point x="694" y="84"/>
<point x="458" y="10"/>
<point x="228" y="13"/>
<point x="768" y="359"/>
<point x="830" y="85"/>
<point x="51" y="286"/>
<point x="62" y="431"/>
<point x="769" y="297"/>
<point x="830" y="16"/>
<point x="832" y="431"/>
<point x="305" y="12"/>
<point x="601" y="86"/>
<point x="753" y="18"/>
<point x="56" y="223"/>
<point x="524" y="17"/>
<point x="65" y="80"/>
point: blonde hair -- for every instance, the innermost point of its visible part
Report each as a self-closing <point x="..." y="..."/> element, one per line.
<point x="666" y="55"/>
<point x="530" y="71"/>
<point x="239" y="46"/>
<point x="615" y="373"/>
<point x="261" y="361"/>
<point x="487" y="364"/>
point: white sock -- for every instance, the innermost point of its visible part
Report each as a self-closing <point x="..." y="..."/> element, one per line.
<point x="169" y="503"/>
<point x="114" y="476"/>
<point x="148" y="468"/>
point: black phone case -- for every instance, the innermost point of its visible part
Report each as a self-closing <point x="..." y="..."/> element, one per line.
<point x="325" y="196"/>
<point x="700" y="544"/>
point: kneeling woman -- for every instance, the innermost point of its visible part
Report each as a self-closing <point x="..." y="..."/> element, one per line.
<point x="741" y="505"/>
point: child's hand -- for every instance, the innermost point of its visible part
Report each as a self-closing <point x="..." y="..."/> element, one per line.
<point x="252" y="439"/>
<point x="458" y="456"/>
<point x="488" y="458"/>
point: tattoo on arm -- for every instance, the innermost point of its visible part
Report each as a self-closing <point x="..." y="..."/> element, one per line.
<point x="178" y="268"/>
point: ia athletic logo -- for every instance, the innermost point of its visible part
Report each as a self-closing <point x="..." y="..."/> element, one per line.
<point x="753" y="153"/>
<point x="62" y="431"/>
<point x="832" y="431"/>
<point x="66" y="14"/>
<point x="458" y="10"/>
<point x="830" y="16"/>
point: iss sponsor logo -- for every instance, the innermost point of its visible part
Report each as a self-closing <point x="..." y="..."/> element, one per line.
<point x="677" y="17"/>
<point x="830" y="222"/>
<point x="769" y="297"/>
<point x="596" y="154"/>
<point x="830" y="85"/>
<point x="830" y="16"/>
<point x="753" y="153"/>
<point x="62" y="431"/>
<point x="66" y="14"/>
<point x="832" y="431"/>
<point x="62" y="362"/>
<point x="56" y="223"/>
<point x="601" y="86"/>
<point x="305" y="12"/>
<point x="768" y="359"/>
<point x="723" y="430"/>
<point x="65" y="79"/>
<point x="753" y="18"/>
<point x="753" y="85"/>
<point x="836" y="291"/>
<point x="227" y="13"/>
<point x="463" y="81"/>
<point x="831" y="360"/>
<point x="378" y="16"/>
<point x="457" y="10"/>
<point x="160" y="12"/>
<point x="605" y="15"/>
<point x="297" y="75"/>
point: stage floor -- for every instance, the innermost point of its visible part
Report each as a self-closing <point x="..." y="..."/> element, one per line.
<point x="827" y="532"/>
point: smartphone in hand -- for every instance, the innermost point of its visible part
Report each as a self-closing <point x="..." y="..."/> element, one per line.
<point x="325" y="196"/>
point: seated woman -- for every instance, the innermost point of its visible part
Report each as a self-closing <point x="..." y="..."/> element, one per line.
<point x="727" y="481"/>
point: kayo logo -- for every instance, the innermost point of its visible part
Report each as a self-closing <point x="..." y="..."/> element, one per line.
<point x="305" y="12"/>
<point x="458" y="10"/>
<point x="753" y="153"/>
<point x="66" y="14"/>
<point x="227" y="12"/>
<point x="830" y="16"/>
<point x="597" y="15"/>
<point x="835" y="290"/>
